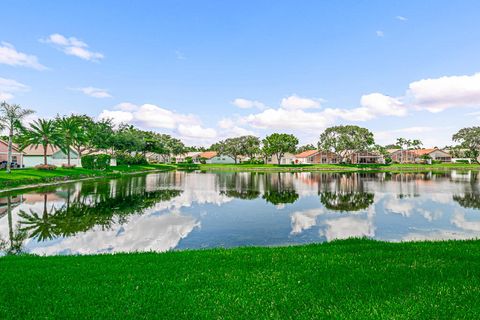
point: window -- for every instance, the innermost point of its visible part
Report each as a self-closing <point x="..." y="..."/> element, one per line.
<point x="14" y="159"/>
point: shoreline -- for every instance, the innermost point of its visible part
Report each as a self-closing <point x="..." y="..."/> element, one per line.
<point x="59" y="180"/>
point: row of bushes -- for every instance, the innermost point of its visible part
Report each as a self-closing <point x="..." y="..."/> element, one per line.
<point x="96" y="162"/>
<point x="128" y="159"/>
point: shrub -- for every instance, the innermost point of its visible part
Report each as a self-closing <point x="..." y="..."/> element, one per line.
<point x="45" y="167"/>
<point x="96" y="162"/>
<point x="462" y="161"/>
<point x="66" y="166"/>
<point x="187" y="166"/>
<point x="189" y="160"/>
<point x="128" y="159"/>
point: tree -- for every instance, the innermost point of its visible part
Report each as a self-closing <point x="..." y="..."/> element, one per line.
<point x="41" y="133"/>
<point x="278" y="144"/>
<point x="232" y="147"/>
<point x="11" y="118"/>
<point x="346" y="140"/>
<point x="305" y="148"/>
<point x="469" y="138"/>
<point x="250" y="146"/>
<point x="70" y="128"/>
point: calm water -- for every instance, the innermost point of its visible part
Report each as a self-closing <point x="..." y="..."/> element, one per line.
<point x="178" y="210"/>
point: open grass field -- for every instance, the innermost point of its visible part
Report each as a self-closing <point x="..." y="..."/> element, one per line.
<point x="32" y="176"/>
<point x="350" y="279"/>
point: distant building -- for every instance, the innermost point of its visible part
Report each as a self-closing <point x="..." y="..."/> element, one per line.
<point x="317" y="157"/>
<point x="17" y="155"/>
<point x="288" y="158"/>
<point x="33" y="156"/>
<point x="415" y="156"/>
<point x="214" y="157"/>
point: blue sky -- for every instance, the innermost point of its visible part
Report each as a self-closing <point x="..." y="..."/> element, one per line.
<point x="207" y="70"/>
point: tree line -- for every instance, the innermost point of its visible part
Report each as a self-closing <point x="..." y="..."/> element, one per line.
<point x="84" y="134"/>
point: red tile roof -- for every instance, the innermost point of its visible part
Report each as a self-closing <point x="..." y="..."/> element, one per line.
<point x="38" y="151"/>
<point x="306" y="154"/>
<point x="208" y="154"/>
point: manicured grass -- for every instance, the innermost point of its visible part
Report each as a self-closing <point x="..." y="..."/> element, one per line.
<point x="352" y="279"/>
<point x="29" y="176"/>
<point x="337" y="167"/>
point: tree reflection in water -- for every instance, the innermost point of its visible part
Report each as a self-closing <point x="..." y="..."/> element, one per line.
<point x="95" y="205"/>
<point x="346" y="192"/>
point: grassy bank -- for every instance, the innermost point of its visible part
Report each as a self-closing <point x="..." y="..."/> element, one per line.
<point x="31" y="176"/>
<point x="336" y="167"/>
<point x="352" y="279"/>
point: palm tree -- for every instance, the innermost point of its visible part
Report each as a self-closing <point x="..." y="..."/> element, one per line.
<point x="70" y="128"/>
<point x="42" y="133"/>
<point x="11" y="117"/>
<point x="401" y="143"/>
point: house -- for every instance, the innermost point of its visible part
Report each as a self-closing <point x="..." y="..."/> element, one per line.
<point x="17" y="155"/>
<point x="288" y="158"/>
<point x="415" y="156"/>
<point x="214" y="157"/>
<point x="195" y="155"/>
<point x="317" y="157"/>
<point x="33" y="156"/>
<point x="366" y="157"/>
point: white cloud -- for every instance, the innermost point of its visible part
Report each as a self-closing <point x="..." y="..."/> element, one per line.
<point x="401" y="18"/>
<point x="73" y="46"/>
<point x="348" y="227"/>
<point x="10" y="56"/>
<point x="438" y="94"/>
<point x="150" y="116"/>
<point x="247" y="104"/>
<point x="295" y="102"/>
<point x="94" y="92"/>
<point x="230" y="129"/>
<point x="380" y="33"/>
<point x="8" y="87"/>
<point x="304" y="220"/>
<point x="196" y="131"/>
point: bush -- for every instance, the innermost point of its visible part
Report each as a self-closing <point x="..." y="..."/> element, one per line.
<point x="187" y="166"/>
<point x="96" y="162"/>
<point x="189" y="160"/>
<point x="45" y="167"/>
<point x="253" y="161"/>
<point x="462" y="161"/>
<point x="66" y="166"/>
<point x="128" y="159"/>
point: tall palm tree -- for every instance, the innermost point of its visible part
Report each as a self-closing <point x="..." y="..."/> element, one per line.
<point x="41" y="133"/>
<point x="11" y="116"/>
<point x="70" y="128"/>
<point x="401" y="143"/>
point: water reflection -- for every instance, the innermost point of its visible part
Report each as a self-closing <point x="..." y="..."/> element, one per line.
<point x="196" y="210"/>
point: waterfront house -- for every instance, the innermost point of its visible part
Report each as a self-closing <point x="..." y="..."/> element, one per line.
<point x="33" y="156"/>
<point x="416" y="156"/>
<point x="317" y="157"/>
<point x="366" y="157"/>
<point x="215" y="157"/>
<point x="17" y="155"/>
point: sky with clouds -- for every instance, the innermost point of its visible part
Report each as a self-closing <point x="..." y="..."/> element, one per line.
<point x="207" y="70"/>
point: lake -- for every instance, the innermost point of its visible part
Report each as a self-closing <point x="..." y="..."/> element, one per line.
<point x="182" y="210"/>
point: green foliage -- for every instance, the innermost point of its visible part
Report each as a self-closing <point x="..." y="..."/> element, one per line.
<point x="278" y="144"/>
<point x="468" y="138"/>
<point x="47" y="167"/>
<point x="128" y="159"/>
<point x="96" y="162"/>
<point x="187" y="166"/>
<point x="43" y="133"/>
<point x="346" y="140"/>
<point x="305" y="148"/>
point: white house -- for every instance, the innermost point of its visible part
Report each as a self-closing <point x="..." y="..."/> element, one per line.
<point x="33" y="156"/>
<point x="288" y="158"/>
<point x="214" y="157"/>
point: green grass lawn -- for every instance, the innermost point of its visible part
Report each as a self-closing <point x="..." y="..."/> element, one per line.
<point x="336" y="167"/>
<point x="28" y="176"/>
<point x="352" y="279"/>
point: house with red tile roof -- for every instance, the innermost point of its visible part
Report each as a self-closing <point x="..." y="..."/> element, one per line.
<point x="317" y="157"/>
<point x="17" y="155"/>
<point x="215" y="157"/>
<point x="415" y="156"/>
